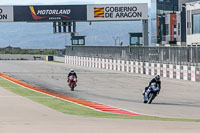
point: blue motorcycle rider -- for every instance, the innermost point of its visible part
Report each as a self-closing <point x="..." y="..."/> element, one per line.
<point x="154" y="86"/>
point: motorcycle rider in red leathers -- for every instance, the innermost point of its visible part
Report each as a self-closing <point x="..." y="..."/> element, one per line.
<point x="71" y="73"/>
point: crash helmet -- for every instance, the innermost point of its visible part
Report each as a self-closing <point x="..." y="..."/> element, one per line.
<point x="157" y="77"/>
<point x="71" y="70"/>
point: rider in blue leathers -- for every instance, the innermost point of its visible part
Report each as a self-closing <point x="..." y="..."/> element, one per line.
<point x="154" y="86"/>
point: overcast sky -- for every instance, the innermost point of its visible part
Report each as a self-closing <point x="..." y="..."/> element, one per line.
<point x="48" y="2"/>
<point x="26" y="43"/>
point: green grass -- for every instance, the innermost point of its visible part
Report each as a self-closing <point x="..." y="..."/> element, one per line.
<point x="73" y="109"/>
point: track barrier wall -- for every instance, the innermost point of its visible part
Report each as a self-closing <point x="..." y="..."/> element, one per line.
<point x="188" y="56"/>
<point x="190" y="73"/>
<point x="22" y="57"/>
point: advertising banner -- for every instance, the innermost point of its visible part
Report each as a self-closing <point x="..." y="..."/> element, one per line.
<point x="118" y="12"/>
<point x="6" y="13"/>
<point x="50" y="13"/>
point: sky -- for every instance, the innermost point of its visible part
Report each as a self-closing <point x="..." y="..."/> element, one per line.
<point x="62" y="2"/>
<point x="50" y="2"/>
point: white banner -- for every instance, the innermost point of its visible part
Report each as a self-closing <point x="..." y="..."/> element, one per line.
<point x="127" y="66"/>
<point x="171" y="71"/>
<point x="147" y="68"/>
<point x="152" y="69"/>
<point x="193" y="73"/>
<point x="75" y="58"/>
<point x="118" y="65"/>
<point x="164" y="70"/>
<point x="132" y="67"/>
<point x="138" y="11"/>
<point x="136" y="67"/>
<point x="79" y="61"/>
<point x="95" y="62"/>
<point x="123" y="64"/>
<point x="83" y="61"/>
<point x="71" y="58"/>
<point x="185" y="72"/>
<point x="115" y="65"/>
<point x="107" y="64"/>
<point x="158" y="69"/>
<point x="6" y="14"/>
<point x="86" y="61"/>
<point x="89" y="62"/>
<point x="178" y="72"/>
<point x="111" y="64"/>
<point x="66" y="59"/>
<point x="141" y="68"/>
<point x="100" y="63"/>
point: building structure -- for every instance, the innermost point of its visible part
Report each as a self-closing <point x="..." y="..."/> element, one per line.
<point x="193" y="23"/>
<point x="171" y="22"/>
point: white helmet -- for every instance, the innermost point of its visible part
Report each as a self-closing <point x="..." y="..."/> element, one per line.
<point x="71" y="70"/>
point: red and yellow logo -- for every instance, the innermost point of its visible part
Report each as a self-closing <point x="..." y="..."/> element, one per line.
<point x="99" y="12"/>
<point x="47" y="13"/>
<point x="34" y="14"/>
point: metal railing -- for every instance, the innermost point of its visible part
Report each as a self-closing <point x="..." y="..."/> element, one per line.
<point x="169" y="55"/>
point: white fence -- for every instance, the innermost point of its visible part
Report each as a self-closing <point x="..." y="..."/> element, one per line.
<point x="165" y="70"/>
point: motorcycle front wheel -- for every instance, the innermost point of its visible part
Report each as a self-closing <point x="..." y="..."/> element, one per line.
<point x="72" y="86"/>
<point x="151" y="97"/>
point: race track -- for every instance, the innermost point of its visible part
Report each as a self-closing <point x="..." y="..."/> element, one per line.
<point x="178" y="98"/>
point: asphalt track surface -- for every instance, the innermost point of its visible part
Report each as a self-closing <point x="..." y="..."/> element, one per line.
<point x="177" y="99"/>
<point x="21" y="115"/>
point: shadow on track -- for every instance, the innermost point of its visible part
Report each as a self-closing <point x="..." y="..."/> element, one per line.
<point x="178" y="104"/>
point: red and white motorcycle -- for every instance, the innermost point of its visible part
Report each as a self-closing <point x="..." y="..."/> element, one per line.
<point x="72" y="82"/>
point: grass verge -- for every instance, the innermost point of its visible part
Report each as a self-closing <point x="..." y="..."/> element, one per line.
<point x="73" y="109"/>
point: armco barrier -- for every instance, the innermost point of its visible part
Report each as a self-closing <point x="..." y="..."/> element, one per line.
<point x="183" y="55"/>
<point x="190" y="73"/>
<point x="21" y="57"/>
